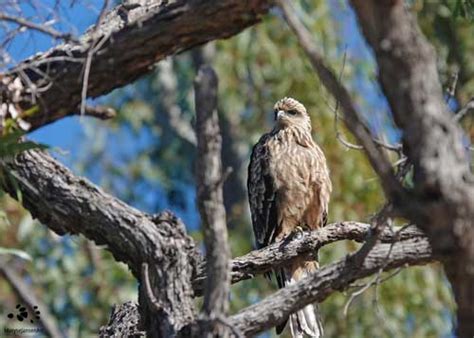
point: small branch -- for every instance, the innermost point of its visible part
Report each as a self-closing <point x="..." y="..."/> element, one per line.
<point x="469" y="106"/>
<point x="90" y="54"/>
<point x="100" y="112"/>
<point x="28" y="298"/>
<point x="37" y="27"/>
<point x="210" y="198"/>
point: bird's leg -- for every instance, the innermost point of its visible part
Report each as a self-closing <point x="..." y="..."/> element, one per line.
<point x="298" y="232"/>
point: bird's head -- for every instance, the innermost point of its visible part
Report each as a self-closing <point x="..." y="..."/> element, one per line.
<point x="291" y="113"/>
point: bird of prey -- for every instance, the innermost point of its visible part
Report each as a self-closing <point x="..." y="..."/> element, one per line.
<point x="289" y="189"/>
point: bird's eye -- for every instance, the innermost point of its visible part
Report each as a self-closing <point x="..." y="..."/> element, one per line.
<point x="292" y="112"/>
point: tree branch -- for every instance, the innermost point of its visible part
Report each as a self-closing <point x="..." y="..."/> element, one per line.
<point x="148" y="33"/>
<point x="69" y="204"/>
<point x="279" y="254"/>
<point x="333" y="277"/>
<point x="43" y="28"/>
<point x="443" y="203"/>
<point x="210" y="180"/>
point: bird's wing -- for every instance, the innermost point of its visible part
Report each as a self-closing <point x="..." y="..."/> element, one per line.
<point x="262" y="194"/>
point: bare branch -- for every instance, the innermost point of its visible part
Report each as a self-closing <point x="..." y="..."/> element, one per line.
<point x="90" y="54"/>
<point x="443" y="203"/>
<point x="43" y="28"/>
<point x="280" y="254"/>
<point x="336" y="276"/>
<point x="210" y="198"/>
<point x="130" y="42"/>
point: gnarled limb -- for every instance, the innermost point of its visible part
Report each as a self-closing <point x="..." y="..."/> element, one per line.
<point x="70" y="204"/>
<point x="148" y="32"/>
<point x="443" y="184"/>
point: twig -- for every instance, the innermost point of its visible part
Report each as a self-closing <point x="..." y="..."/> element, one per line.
<point x="451" y="89"/>
<point x="38" y="27"/>
<point x="100" y="112"/>
<point x="464" y="110"/>
<point x="145" y="279"/>
<point x="90" y="54"/>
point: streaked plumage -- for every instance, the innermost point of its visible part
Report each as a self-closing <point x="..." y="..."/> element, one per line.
<point x="289" y="187"/>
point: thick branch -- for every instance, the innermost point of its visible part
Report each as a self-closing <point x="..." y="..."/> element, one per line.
<point x="70" y="204"/>
<point x="210" y="197"/>
<point x="147" y="33"/>
<point x="443" y="183"/>
<point x="279" y="254"/>
<point x="334" y="277"/>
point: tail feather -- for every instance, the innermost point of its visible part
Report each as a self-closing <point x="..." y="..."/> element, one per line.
<point x="306" y="321"/>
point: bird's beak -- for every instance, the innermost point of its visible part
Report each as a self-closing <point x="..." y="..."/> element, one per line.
<point x="280" y="114"/>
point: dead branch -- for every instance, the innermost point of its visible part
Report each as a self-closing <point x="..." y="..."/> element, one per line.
<point x="443" y="193"/>
<point x="210" y="199"/>
<point x="43" y="28"/>
<point x="279" y="254"/>
<point x="336" y="276"/>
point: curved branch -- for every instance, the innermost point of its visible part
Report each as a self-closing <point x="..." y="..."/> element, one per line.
<point x="148" y="32"/>
<point x="278" y="254"/>
<point x="70" y="204"/>
<point x="328" y="279"/>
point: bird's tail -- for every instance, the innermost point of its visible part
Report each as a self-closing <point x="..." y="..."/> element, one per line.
<point x="306" y="321"/>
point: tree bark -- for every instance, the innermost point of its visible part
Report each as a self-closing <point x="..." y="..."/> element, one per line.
<point x="148" y="33"/>
<point x="443" y="184"/>
<point x="210" y="199"/>
<point x="70" y="204"/>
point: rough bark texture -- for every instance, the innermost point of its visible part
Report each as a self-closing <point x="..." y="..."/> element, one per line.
<point x="210" y="198"/>
<point x="334" y="277"/>
<point x="397" y="249"/>
<point x="70" y="204"/>
<point x="148" y="33"/>
<point x="123" y="322"/>
<point x="442" y="200"/>
<point x="279" y="254"/>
